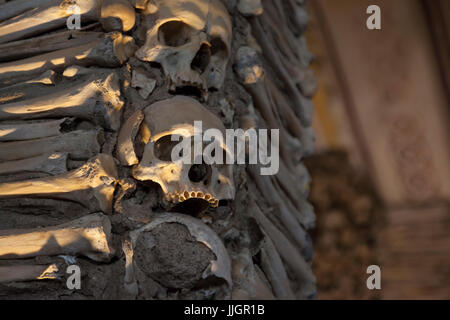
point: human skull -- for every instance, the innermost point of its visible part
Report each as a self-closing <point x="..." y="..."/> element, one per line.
<point x="153" y="251"/>
<point x="180" y="181"/>
<point x="191" y="40"/>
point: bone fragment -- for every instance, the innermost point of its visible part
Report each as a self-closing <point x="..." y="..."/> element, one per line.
<point x="126" y="153"/>
<point x="250" y="7"/>
<point x="92" y="185"/>
<point x="88" y="236"/>
<point x="144" y="84"/>
<point x="117" y="15"/>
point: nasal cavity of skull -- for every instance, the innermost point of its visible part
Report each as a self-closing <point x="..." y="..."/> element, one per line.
<point x="200" y="173"/>
<point x="218" y="48"/>
<point x="163" y="148"/>
<point x="175" y="34"/>
<point x="202" y="58"/>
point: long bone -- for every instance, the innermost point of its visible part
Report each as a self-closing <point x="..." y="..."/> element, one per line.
<point x="303" y="107"/>
<point x="97" y="100"/>
<point x="247" y="284"/>
<point x="14" y="8"/>
<point x="52" y="164"/>
<point x="42" y="19"/>
<point x="27" y="272"/>
<point x="262" y="103"/>
<point x="288" y="252"/>
<point x="79" y="144"/>
<point x="31" y="130"/>
<point x="88" y="236"/>
<point x="115" y="15"/>
<point x="273" y="267"/>
<point x="292" y="123"/>
<point x="250" y="70"/>
<point x="109" y="51"/>
<point x="289" y="221"/>
<point x="30" y="87"/>
<point x="39" y="45"/>
<point x="92" y="185"/>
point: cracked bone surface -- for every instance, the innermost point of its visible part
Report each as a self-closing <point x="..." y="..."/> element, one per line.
<point x="89" y="236"/>
<point x="109" y="51"/>
<point x="191" y="40"/>
<point x="91" y="185"/>
<point x="145" y="254"/>
<point x="97" y="98"/>
<point x="181" y="182"/>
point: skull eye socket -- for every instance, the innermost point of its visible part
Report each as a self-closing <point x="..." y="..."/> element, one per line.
<point x="163" y="148"/>
<point x="219" y="48"/>
<point x="175" y="33"/>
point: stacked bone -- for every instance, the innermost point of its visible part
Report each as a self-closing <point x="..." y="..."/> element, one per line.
<point x="67" y="97"/>
<point x="273" y="66"/>
<point x="58" y="112"/>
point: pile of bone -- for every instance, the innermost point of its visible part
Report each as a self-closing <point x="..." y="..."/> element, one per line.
<point x="87" y="118"/>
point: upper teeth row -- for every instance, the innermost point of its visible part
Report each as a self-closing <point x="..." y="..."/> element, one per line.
<point x="186" y="195"/>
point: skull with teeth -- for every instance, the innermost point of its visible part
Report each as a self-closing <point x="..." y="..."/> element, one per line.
<point x="179" y="180"/>
<point x="191" y="40"/>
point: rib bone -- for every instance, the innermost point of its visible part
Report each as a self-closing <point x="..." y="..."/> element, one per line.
<point x="91" y="185"/>
<point x="88" y="236"/>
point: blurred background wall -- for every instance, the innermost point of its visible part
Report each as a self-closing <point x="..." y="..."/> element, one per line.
<point x="382" y="170"/>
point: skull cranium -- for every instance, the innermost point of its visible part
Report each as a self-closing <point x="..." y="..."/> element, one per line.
<point x="191" y="40"/>
<point x="181" y="181"/>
